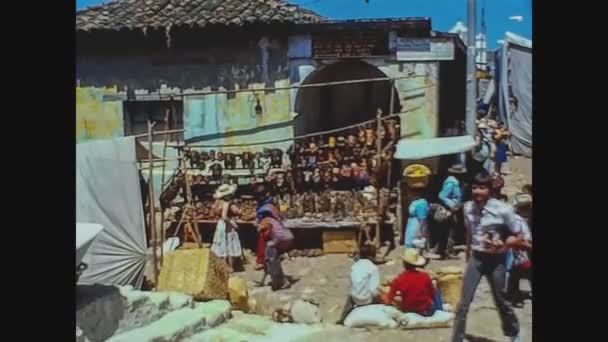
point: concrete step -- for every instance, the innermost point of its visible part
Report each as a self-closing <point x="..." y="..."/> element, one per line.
<point x="255" y="328"/>
<point x="180" y="324"/>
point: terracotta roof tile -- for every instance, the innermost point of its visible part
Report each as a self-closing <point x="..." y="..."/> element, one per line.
<point x="131" y="14"/>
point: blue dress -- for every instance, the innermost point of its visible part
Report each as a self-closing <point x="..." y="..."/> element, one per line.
<point x="500" y="156"/>
<point x="418" y="212"/>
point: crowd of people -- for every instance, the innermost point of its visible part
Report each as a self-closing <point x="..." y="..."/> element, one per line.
<point x="497" y="234"/>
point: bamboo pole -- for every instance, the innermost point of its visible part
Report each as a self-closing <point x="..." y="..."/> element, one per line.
<point x="391" y="110"/>
<point x="152" y="203"/>
<point x="143" y="135"/>
<point x="378" y="167"/>
<point x="162" y="182"/>
<point x="190" y="204"/>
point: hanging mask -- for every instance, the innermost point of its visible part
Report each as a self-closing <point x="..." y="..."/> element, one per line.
<point x="316" y="175"/>
<point x="332" y="142"/>
<point x="216" y="171"/>
<point x="361" y="136"/>
<point x="276" y="158"/>
<point x="327" y="176"/>
<point x="196" y="158"/>
<point x="352" y="140"/>
<point x="331" y="156"/>
<point x="370" y="137"/>
<point x="307" y="176"/>
<point x="312" y="161"/>
<point x="346" y="171"/>
<point x="280" y="179"/>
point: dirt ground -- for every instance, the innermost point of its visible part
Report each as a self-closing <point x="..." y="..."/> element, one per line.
<point x="327" y="276"/>
<point x="328" y="279"/>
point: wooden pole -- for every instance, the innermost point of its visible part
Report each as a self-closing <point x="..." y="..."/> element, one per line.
<point x="399" y="209"/>
<point x="190" y="205"/>
<point x="391" y="111"/>
<point x="152" y="203"/>
<point x="378" y="167"/>
<point x="162" y="182"/>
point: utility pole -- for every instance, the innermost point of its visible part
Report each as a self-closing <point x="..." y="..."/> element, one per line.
<point x="471" y="114"/>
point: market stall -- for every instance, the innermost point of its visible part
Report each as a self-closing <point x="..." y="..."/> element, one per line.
<point x="333" y="180"/>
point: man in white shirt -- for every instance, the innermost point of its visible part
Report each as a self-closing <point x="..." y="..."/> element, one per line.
<point x="365" y="282"/>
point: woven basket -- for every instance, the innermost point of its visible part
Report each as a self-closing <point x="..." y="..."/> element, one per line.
<point x="450" y="287"/>
<point x="197" y="272"/>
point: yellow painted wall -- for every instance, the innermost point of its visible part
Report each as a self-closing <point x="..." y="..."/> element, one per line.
<point x="96" y="119"/>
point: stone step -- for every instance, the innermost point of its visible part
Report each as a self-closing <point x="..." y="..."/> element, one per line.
<point x="255" y="328"/>
<point x="105" y="311"/>
<point x="180" y="324"/>
<point x="142" y="308"/>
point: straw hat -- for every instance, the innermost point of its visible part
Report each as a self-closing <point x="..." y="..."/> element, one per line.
<point x="224" y="190"/>
<point x="412" y="257"/>
<point x="416" y="170"/>
<point x="457" y="169"/>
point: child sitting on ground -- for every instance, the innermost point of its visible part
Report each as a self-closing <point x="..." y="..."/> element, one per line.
<point x="416" y="288"/>
<point x="365" y="282"/>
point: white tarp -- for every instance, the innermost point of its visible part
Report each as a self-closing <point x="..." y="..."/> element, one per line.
<point x="85" y="234"/>
<point x="412" y="149"/>
<point x="108" y="193"/>
<point x="514" y="79"/>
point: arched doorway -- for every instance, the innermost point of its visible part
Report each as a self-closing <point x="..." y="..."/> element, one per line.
<point x="330" y="107"/>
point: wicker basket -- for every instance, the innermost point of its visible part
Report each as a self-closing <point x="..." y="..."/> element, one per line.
<point x="197" y="272"/>
<point x="450" y="287"/>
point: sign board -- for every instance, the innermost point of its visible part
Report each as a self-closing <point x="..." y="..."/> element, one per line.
<point x="424" y="49"/>
<point x="352" y="44"/>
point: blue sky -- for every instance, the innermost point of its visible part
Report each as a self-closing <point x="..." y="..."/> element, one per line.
<point x="443" y="13"/>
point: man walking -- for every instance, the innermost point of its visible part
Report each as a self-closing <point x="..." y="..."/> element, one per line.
<point x="491" y="229"/>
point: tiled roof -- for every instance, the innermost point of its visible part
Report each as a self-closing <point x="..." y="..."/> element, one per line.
<point x="131" y="14"/>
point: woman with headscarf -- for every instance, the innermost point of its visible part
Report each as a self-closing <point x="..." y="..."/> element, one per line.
<point x="278" y="239"/>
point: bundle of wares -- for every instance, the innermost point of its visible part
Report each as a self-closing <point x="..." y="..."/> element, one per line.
<point x="323" y="178"/>
<point x="492" y="130"/>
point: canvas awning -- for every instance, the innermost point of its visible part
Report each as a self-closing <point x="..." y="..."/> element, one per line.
<point x="413" y="149"/>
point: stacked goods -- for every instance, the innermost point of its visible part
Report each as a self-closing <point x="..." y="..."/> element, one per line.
<point x="237" y="290"/>
<point x="196" y="272"/>
<point x="339" y="242"/>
